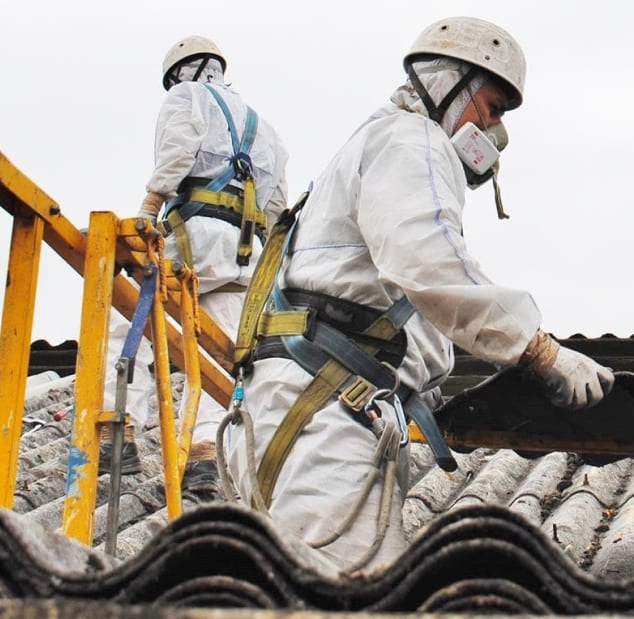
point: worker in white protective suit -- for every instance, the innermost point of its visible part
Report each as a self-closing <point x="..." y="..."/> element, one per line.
<point x="383" y="226"/>
<point x="197" y="123"/>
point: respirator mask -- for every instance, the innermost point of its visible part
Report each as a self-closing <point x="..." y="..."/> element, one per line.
<point x="479" y="150"/>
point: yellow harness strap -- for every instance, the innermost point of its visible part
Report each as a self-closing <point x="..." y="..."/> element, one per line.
<point x="261" y="284"/>
<point x="247" y="225"/>
<point x="283" y="323"/>
<point x="247" y="209"/>
<point x="228" y="200"/>
<point x="328" y="381"/>
<point x="183" y="246"/>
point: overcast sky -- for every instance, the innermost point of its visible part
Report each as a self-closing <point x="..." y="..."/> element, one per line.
<point x="81" y="89"/>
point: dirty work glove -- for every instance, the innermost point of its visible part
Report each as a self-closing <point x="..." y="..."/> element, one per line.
<point x="151" y="206"/>
<point x="575" y="380"/>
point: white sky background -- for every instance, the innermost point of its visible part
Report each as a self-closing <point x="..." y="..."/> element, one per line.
<point x="81" y="89"/>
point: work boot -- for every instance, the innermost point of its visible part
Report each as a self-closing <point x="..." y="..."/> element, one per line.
<point x="201" y="473"/>
<point x="130" y="461"/>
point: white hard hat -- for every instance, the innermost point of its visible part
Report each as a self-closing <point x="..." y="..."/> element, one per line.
<point x="188" y="47"/>
<point x="478" y="42"/>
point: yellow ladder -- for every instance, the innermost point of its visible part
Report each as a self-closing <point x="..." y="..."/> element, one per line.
<point x="201" y="348"/>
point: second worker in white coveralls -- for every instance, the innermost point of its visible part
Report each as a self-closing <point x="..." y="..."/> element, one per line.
<point x="202" y="129"/>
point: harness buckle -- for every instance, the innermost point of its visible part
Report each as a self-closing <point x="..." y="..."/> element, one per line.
<point x="242" y="165"/>
<point x="358" y="394"/>
<point x="237" y="397"/>
<point x="164" y="227"/>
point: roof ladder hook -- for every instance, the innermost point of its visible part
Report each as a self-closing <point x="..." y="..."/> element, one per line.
<point x="125" y="375"/>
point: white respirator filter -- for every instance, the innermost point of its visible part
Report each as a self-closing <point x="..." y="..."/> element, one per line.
<point x="474" y="148"/>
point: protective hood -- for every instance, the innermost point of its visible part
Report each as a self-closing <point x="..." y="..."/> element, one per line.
<point x="186" y="71"/>
<point x="439" y="76"/>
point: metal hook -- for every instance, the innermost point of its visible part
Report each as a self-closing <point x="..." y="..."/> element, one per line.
<point x="379" y="394"/>
<point x="397" y="381"/>
<point x="238" y="396"/>
<point x="383" y="394"/>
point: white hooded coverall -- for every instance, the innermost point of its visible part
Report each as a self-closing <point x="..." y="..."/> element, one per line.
<point x="383" y="220"/>
<point x="192" y="139"/>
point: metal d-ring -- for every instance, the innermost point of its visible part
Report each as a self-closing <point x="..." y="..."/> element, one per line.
<point x="397" y="382"/>
<point x="383" y="394"/>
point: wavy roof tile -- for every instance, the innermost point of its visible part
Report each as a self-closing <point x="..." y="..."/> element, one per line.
<point x="502" y="533"/>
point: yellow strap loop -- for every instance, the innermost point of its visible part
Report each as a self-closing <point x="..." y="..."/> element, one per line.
<point x="283" y="323"/>
<point x="221" y="198"/>
<point x="183" y="245"/>
<point x="258" y="292"/>
<point x="247" y="226"/>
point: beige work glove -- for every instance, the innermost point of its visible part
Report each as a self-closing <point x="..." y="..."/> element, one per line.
<point x="151" y="206"/>
<point x="574" y="380"/>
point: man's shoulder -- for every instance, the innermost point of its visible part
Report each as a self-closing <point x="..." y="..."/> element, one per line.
<point x="203" y="90"/>
<point x="397" y="122"/>
<point x="226" y="92"/>
<point x="392" y="116"/>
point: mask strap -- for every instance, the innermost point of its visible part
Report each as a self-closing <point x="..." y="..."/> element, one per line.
<point x="498" y="196"/>
<point x="172" y="78"/>
<point x="496" y="186"/>
<point x="477" y="108"/>
<point x="436" y="112"/>
<point x="201" y="68"/>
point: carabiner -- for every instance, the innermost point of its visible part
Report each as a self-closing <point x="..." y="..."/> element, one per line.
<point x="400" y="417"/>
<point x="242" y="165"/>
<point x="238" y="396"/>
<point x="371" y="408"/>
<point x="397" y="381"/>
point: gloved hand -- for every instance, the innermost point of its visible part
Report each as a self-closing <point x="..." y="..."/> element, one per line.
<point x="151" y="206"/>
<point x="575" y="380"/>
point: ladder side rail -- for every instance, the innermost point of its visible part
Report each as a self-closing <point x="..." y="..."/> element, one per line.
<point x="83" y="460"/>
<point x="15" y="341"/>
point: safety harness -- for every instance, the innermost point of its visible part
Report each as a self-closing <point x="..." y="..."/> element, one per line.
<point x="347" y="368"/>
<point x="217" y="198"/>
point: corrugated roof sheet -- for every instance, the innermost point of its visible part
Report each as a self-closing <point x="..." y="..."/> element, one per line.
<point x="505" y="532"/>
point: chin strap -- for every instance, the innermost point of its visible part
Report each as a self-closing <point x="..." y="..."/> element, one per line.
<point x="436" y="112"/>
<point x="477" y="180"/>
<point x="498" y="195"/>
